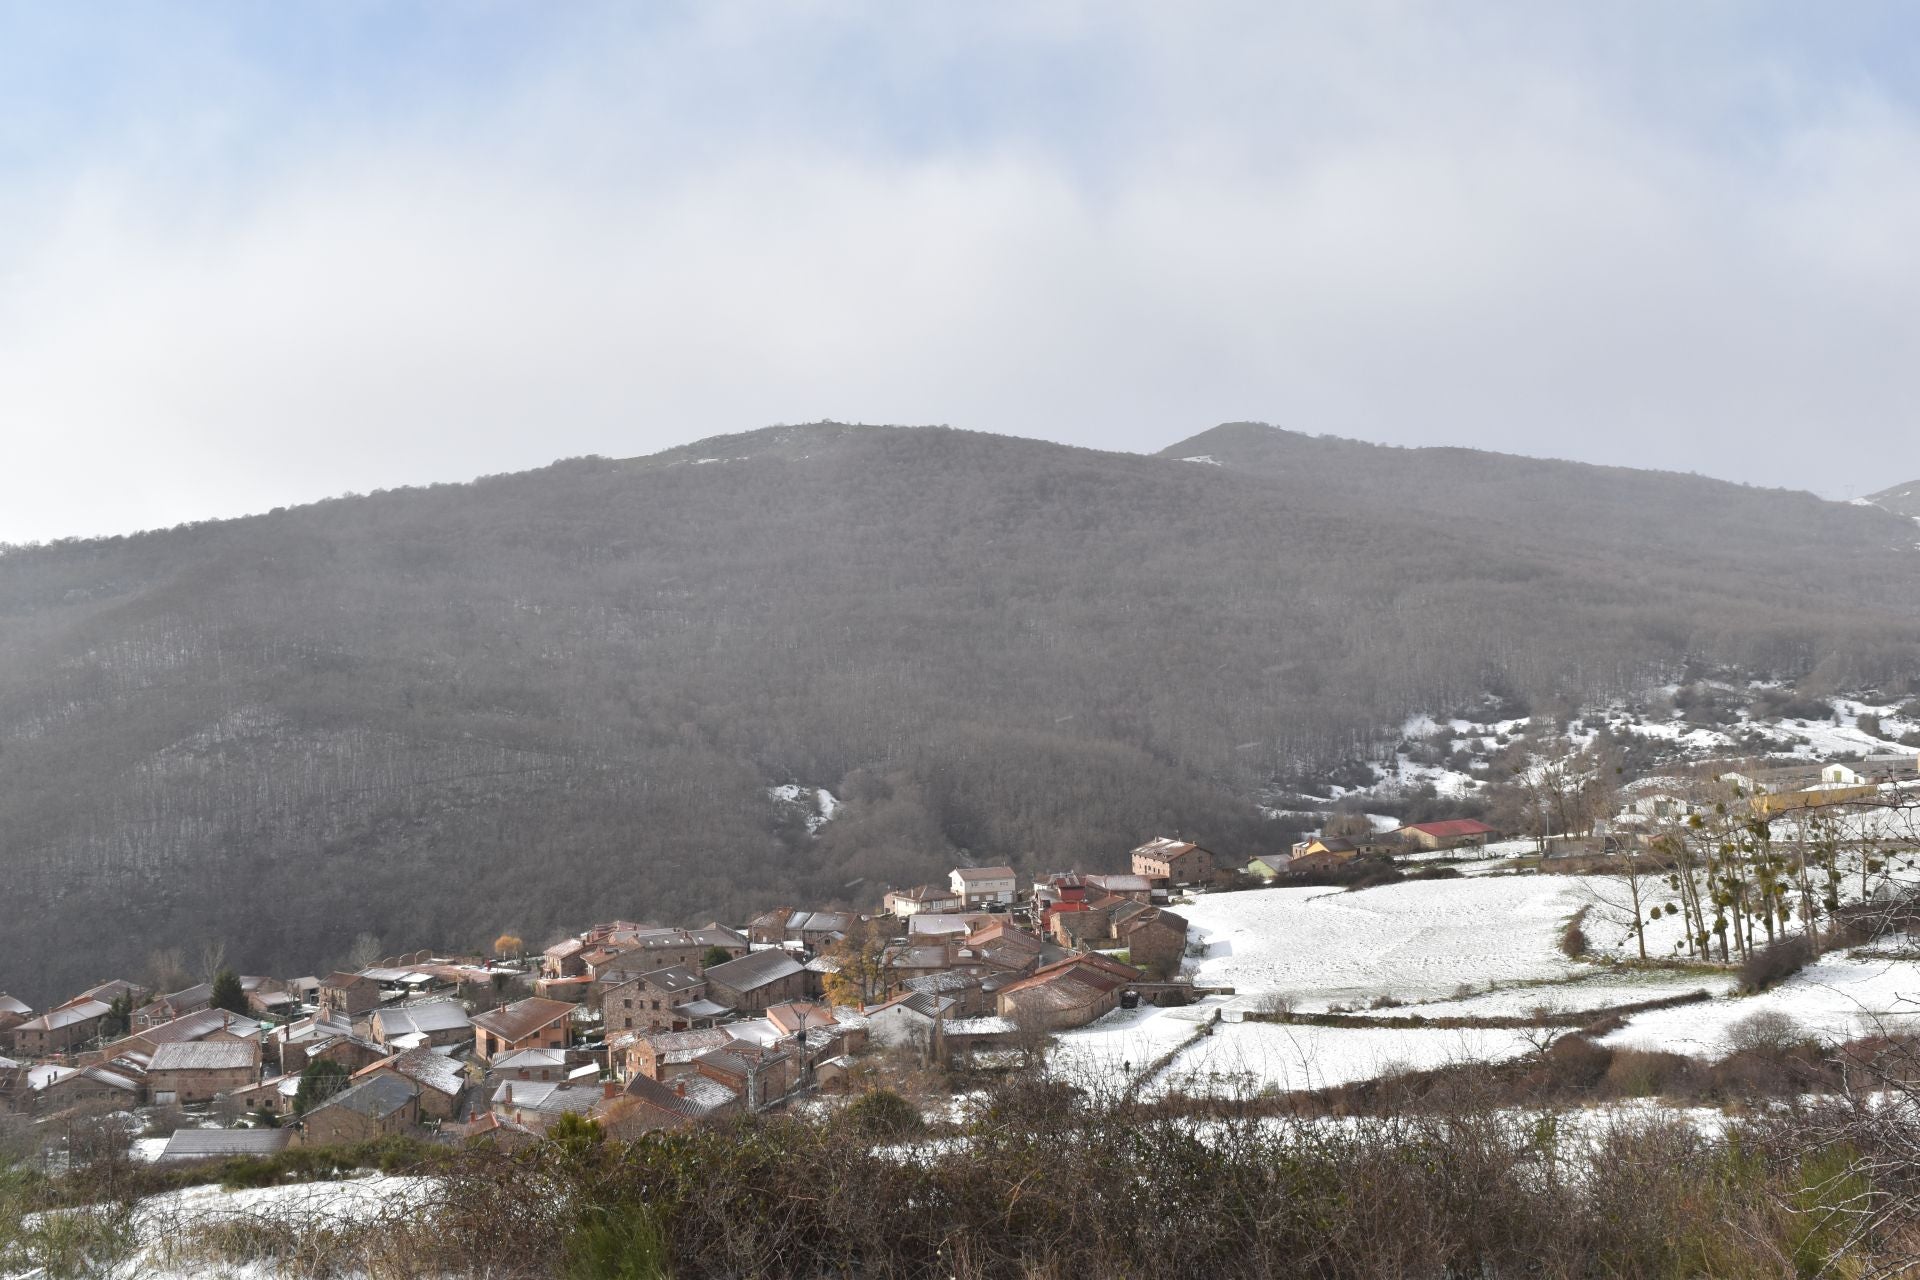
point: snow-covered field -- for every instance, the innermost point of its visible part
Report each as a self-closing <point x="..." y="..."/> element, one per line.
<point x="1416" y="941"/>
<point x="1243" y="1059"/>
<point x="1837" y="998"/>
<point x="1481" y="947"/>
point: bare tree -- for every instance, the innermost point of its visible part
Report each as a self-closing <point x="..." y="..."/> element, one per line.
<point x="213" y="958"/>
<point x="365" y="952"/>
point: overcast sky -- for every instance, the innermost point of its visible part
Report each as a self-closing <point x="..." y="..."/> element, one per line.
<point x="259" y="253"/>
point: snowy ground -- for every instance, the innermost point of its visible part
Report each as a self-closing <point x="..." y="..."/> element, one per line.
<point x="1244" y="1059"/>
<point x="1838" y="998"/>
<point x="1478" y="947"/>
<point x="163" y="1222"/>
<point x="1121" y="1045"/>
<point x="1420" y="940"/>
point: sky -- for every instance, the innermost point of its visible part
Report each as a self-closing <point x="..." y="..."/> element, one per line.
<point x="258" y="253"/>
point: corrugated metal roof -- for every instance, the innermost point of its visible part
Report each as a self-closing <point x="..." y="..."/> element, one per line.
<point x="66" y="1016"/>
<point x="754" y="970"/>
<point x="376" y="1098"/>
<point x="189" y="1144"/>
<point x="204" y="1055"/>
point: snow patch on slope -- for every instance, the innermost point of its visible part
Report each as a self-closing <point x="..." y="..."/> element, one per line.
<point x="819" y="804"/>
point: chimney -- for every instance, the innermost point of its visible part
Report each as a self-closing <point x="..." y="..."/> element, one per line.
<point x="509" y="1093"/>
<point x="609" y="1089"/>
<point x="680" y="1087"/>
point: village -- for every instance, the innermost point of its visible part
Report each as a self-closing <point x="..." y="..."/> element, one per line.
<point x="636" y="1026"/>
<point x="643" y="1026"/>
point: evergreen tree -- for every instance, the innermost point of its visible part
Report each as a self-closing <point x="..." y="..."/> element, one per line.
<point x="227" y="993"/>
<point x="119" y="1019"/>
<point x="321" y="1079"/>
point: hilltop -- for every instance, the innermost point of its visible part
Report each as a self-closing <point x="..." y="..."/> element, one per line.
<point x="801" y="663"/>
<point x="1900" y="499"/>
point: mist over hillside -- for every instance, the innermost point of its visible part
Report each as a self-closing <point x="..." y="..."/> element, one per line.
<point x="519" y="703"/>
<point x="1900" y="499"/>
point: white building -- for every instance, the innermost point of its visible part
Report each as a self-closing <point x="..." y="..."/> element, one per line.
<point x="980" y="885"/>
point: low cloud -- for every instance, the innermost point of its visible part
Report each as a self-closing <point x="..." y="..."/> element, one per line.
<point x="1373" y="228"/>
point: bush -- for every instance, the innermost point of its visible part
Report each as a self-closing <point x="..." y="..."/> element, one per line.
<point x="1573" y="938"/>
<point x="1646" y="1073"/>
<point x="1575" y="1062"/>
<point x="883" y="1113"/>
<point x="1767" y="1031"/>
<point x="1767" y="965"/>
<point x="626" y="1243"/>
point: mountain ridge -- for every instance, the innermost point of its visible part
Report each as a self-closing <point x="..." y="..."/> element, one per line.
<point x="439" y="713"/>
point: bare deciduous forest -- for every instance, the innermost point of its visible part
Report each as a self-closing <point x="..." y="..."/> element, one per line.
<point x="435" y="714"/>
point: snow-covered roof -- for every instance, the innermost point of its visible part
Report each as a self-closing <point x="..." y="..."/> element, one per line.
<point x="204" y="1055"/>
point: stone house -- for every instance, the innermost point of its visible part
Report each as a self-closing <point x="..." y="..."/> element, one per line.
<point x="1155" y="939"/>
<point x="760" y="1075"/>
<point x="439" y="1022"/>
<point x="348" y="995"/>
<point x="651" y="1001"/>
<point x="440" y="1080"/>
<point x="375" y="1108"/>
<point x="814" y="930"/>
<point x="1173" y="862"/>
<point x="646" y="1104"/>
<point x="710" y="936"/>
<point x="660" y="1055"/>
<point x="769" y="928"/>
<point x="1085" y="928"/>
<point x="60" y="1030"/>
<point x="273" y="1095"/>
<point x="12" y="1013"/>
<point x="532" y="1023"/>
<point x="97" y="1086"/>
<point x="542" y="1065"/>
<point x="168" y="1007"/>
<point x="538" y="1106"/>
<point x="198" y="1070"/>
<point x="1071" y="993"/>
<point x="757" y="980"/>
<point x="564" y="959"/>
<point x="911" y="1021"/>
<point x="208" y="1024"/>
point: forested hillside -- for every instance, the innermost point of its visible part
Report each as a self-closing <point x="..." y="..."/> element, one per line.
<point x="434" y="714"/>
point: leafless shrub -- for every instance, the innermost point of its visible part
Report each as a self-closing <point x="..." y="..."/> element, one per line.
<point x="1277" y="1003"/>
<point x="1573" y="938"/>
<point x="1766" y="1031"/>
